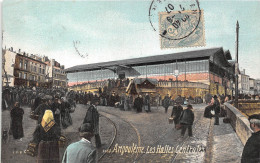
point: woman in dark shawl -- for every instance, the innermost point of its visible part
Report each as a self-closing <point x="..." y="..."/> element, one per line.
<point x="17" y="121"/>
<point x="47" y="135"/>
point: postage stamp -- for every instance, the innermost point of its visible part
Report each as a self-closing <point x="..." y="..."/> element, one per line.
<point x="181" y="29"/>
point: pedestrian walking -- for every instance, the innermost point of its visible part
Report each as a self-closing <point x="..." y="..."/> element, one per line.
<point x="147" y="106"/>
<point x="138" y="103"/>
<point x="216" y="107"/>
<point x="82" y="151"/>
<point x="122" y="102"/>
<point x="126" y="103"/>
<point x="17" y="121"/>
<point x="40" y="110"/>
<point x="55" y="107"/>
<point x="160" y="100"/>
<point x="47" y="135"/>
<point x="251" y="152"/>
<point x="166" y="102"/>
<point x="92" y="117"/>
<point x="176" y="113"/>
<point x="66" y="119"/>
<point x="186" y="120"/>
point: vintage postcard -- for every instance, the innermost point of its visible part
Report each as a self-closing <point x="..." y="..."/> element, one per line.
<point x="130" y="81"/>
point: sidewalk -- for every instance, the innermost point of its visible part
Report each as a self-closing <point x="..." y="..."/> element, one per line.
<point x="227" y="147"/>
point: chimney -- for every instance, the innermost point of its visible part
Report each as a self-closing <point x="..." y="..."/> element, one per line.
<point x="11" y="49"/>
<point x="244" y="71"/>
<point x="19" y="51"/>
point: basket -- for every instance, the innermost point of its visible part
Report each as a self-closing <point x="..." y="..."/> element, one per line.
<point x="33" y="116"/>
<point x="178" y="126"/>
<point x="32" y="149"/>
<point x="62" y="141"/>
<point x="171" y="120"/>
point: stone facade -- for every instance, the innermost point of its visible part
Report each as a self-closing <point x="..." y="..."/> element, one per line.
<point x="23" y="69"/>
<point x="56" y="73"/>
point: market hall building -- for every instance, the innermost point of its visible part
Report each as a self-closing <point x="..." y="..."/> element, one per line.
<point x="191" y="73"/>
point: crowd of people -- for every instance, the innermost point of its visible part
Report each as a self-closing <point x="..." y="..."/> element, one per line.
<point x="51" y="108"/>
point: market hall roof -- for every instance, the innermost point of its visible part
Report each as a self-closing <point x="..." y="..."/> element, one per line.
<point x="157" y="59"/>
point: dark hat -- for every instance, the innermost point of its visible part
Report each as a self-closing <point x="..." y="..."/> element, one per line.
<point x="86" y="127"/>
<point x="215" y="96"/>
<point x="254" y="116"/>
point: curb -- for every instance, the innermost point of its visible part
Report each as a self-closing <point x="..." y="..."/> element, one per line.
<point x="208" y="155"/>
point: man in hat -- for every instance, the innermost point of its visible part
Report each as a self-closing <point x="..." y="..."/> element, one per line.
<point x="82" y="151"/>
<point x="147" y="106"/>
<point x="176" y="112"/>
<point x="166" y="102"/>
<point x="92" y="117"/>
<point x="138" y="103"/>
<point x="65" y="107"/>
<point x="46" y="105"/>
<point x="216" y="107"/>
<point x="251" y="152"/>
<point x="37" y="101"/>
<point x="56" y="108"/>
<point x="186" y="120"/>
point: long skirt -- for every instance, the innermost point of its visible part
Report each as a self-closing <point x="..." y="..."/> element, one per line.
<point x="17" y="129"/>
<point x="48" y="152"/>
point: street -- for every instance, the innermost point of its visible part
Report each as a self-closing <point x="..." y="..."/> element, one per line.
<point x="117" y="129"/>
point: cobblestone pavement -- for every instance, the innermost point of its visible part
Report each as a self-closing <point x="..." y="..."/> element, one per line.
<point x="13" y="150"/>
<point x="227" y="147"/>
<point x="150" y="131"/>
<point x="126" y="136"/>
<point x="156" y="133"/>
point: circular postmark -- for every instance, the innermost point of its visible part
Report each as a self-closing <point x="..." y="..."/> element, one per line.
<point x="174" y="19"/>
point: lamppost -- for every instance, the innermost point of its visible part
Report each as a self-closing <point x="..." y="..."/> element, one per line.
<point x="176" y="73"/>
<point x="236" y="66"/>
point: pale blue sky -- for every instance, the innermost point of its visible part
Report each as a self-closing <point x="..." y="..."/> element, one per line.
<point x="112" y="30"/>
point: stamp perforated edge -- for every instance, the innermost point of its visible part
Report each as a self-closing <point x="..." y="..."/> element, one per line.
<point x="203" y="35"/>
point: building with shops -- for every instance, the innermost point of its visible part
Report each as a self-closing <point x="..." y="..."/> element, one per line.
<point x="208" y="68"/>
<point x="56" y="73"/>
<point x="23" y="69"/>
<point x="243" y="83"/>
